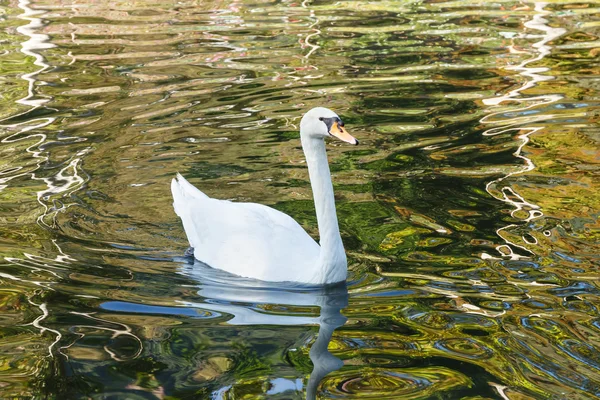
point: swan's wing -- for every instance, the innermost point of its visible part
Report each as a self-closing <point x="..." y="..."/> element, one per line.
<point x="246" y="239"/>
<point x="183" y="190"/>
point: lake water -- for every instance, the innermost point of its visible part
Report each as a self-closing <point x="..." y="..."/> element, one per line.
<point x="469" y="212"/>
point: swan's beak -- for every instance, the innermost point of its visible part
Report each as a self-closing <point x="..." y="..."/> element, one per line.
<point x="340" y="132"/>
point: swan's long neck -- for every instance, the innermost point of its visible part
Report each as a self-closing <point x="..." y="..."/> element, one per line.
<point x="332" y="250"/>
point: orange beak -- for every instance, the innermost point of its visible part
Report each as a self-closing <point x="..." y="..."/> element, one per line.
<point x="340" y="132"/>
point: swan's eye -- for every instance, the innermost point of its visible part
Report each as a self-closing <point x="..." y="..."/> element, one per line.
<point x="329" y="122"/>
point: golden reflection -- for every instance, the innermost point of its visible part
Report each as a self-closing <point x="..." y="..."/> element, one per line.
<point x="125" y="331"/>
<point x="315" y="31"/>
<point x="440" y="305"/>
<point x="394" y="383"/>
<point x="37" y="323"/>
<point x="37" y="264"/>
<point x="37" y="41"/>
<point x="533" y="75"/>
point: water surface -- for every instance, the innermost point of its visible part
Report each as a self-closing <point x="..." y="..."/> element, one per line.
<point x="469" y="212"/>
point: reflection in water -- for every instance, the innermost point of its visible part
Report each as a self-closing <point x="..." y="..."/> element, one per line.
<point x="314" y="32"/>
<point x="518" y="121"/>
<point x="37" y="324"/>
<point x="248" y="301"/>
<point x="126" y="331"/>
<point x="38" y="41"/>
<point x="331" y="303"/>
<point x="480" y="135"/>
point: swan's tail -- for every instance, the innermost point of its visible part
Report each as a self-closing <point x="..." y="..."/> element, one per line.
<point x="186" y="199"/>
<point x="184" y="193"/>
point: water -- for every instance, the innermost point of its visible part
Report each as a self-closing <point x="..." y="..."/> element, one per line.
<point x="469" y="212"/>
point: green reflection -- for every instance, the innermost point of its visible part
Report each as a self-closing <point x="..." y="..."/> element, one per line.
<point x="469" y="212"/>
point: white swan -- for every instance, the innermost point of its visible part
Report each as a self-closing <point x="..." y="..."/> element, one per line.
<point x="259" y="242"/>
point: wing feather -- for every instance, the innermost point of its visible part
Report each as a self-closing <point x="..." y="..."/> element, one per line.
<point x="246" y="239"/>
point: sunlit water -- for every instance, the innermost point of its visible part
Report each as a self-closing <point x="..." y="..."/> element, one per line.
<point x="469" y="212"/>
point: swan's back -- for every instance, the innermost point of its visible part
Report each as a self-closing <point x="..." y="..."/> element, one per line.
<point x="246" y="239"/>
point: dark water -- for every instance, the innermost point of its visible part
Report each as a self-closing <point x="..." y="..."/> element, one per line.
<point x="469" y="212"/>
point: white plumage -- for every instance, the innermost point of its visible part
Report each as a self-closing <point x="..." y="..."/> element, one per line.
<point x="256" y="241"/>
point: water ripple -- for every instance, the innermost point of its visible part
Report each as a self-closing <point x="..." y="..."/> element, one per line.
<point x="468" y="213"/>
<point x="407" y="383"/>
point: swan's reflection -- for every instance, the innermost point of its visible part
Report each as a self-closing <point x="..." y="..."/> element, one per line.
<point x="331" y="300"/>
<point x="243" y="298"/>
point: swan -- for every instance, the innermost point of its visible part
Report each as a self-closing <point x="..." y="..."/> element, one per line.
<point x="256" y="241"/>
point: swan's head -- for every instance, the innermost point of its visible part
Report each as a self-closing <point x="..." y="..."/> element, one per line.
<point x="321" y="122"/>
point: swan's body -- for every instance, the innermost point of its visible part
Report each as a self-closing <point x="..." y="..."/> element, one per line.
<point x="256" y="241"/>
